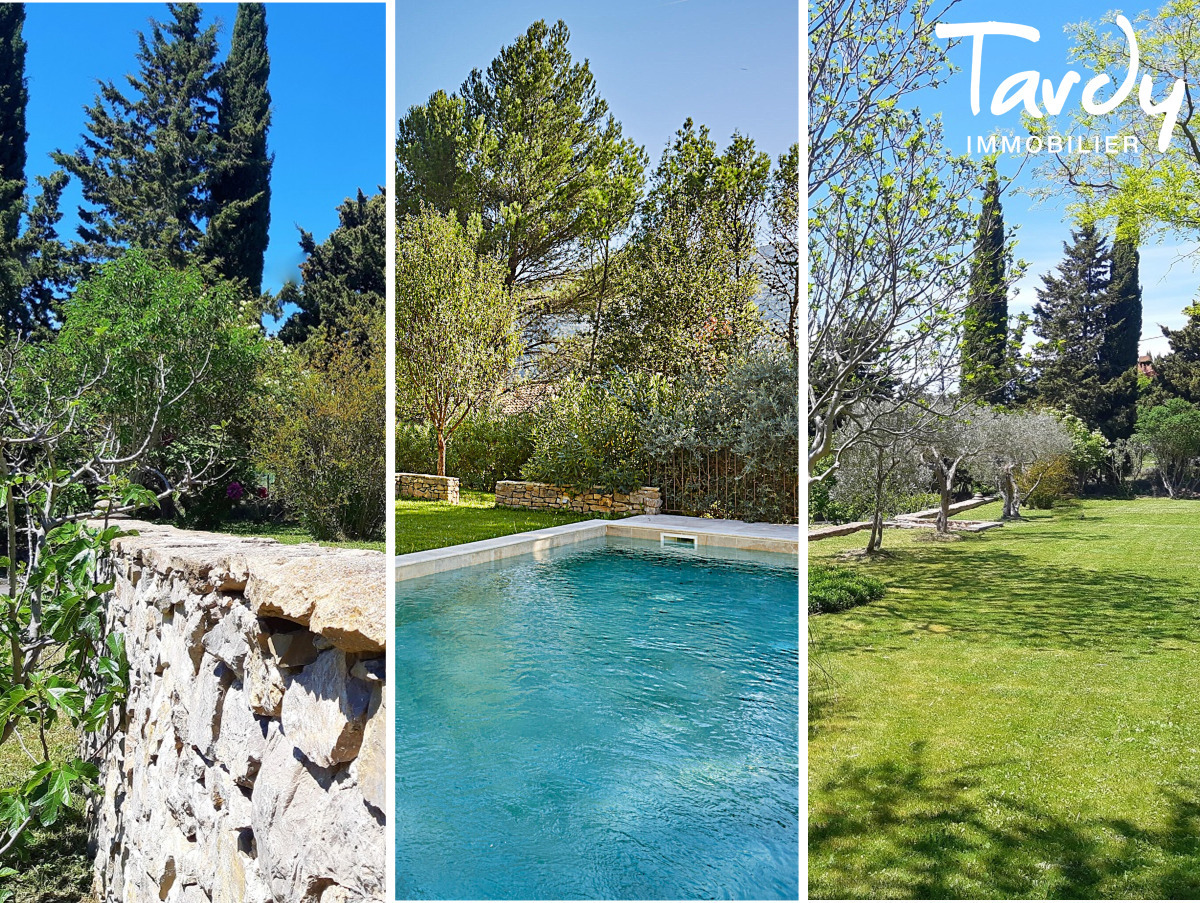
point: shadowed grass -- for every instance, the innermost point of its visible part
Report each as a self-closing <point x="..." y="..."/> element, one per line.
<point x="435" y="525"/>
<point x="54" y="866"/>
<point x="1017" y="716"/>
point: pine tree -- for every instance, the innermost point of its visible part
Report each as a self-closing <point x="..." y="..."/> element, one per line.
<point x="145" y="160"/>
<point x="985" y="323"/>
<point x="1179" y="372"/>
<point x="1073" y="317"/>
<point x="241" y="180"/>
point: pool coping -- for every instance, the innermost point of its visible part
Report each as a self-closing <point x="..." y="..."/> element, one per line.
<point x="709" y="532"/>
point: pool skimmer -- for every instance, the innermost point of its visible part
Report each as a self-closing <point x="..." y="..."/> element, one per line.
<point x="677" y="540"/>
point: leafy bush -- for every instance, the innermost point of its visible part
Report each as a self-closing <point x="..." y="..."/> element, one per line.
<point x="750" y="411"/>
<point x="323" y="436"/>
<point x="592" y="433"/>
<point x="837" y="589"/>
<point x="1051" y="481"/>
<point x="487" y="448"/>
<point x="1171" y="432"/>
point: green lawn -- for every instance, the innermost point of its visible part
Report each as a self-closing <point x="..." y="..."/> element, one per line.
<point x="57" y="868"/>
<point x="434" y="525"/>
<point x="1019" y="716"/>
<point x="291" y="534"/>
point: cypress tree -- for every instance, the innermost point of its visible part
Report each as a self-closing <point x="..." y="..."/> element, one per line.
<point x="144" y="162"/>
<point x="13" y="100"/>
<point x="14" y="317"/>
<point x="1125" y="312"/>
<point x="985" y="323"/>
<point x="241" y="180"/>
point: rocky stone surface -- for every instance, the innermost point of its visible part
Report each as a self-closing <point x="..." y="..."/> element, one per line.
<point x="427" y="486"/>
<point x="548" y="497"/>
<point x="248" y="763"/>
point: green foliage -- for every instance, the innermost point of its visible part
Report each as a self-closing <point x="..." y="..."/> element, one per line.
<point x="1178" y="373"/>
<point x="78" y="676"/>
<point x="1171" y="432"/>
<point x="751" y="411"/>
<point x="985" y="321"/>
<point x="592" y="433"/>
<point x="530" y="149"/>
<point x="686" y="280"/>
<point x="344" y="274"/>
<point x="145" y="325"/>
<point x="1050" y="481"/>
<point x="837" y="589"/>
<point x="240" y="179"/>
<point x="322" y="436"/>
<point x="781" y="273"/>
<point x="488" y="447"/>
<point x="145" y="161"/>
<point x="1075" y="316"/>
<point x="456" y="326"/>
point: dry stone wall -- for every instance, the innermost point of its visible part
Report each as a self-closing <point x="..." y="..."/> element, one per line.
<point x="427" y="486"/>
<point x="248" y="764"/>
<point x="548" y="497"/>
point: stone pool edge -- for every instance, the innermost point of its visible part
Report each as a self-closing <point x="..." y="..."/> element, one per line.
<point x="708" y="532"/>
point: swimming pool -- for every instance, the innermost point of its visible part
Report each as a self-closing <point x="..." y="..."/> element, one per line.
<point x="608" y="720"/>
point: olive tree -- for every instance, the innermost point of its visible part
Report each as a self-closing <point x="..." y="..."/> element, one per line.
<point x="1014" y="441"/>
<point x="885" y="468"/>
<point x="1171" y="432"/>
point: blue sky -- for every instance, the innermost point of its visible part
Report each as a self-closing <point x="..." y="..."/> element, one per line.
<point x="727" y="65"/>
<point x="1169" y="283"/>
<point x="328" y="84"/>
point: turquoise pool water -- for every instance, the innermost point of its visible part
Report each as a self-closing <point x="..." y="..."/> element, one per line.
<point x="612" y="721"/>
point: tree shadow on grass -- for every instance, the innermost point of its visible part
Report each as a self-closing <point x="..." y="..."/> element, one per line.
<point x="1006" y="595"/>
<point x="899" y="829"/>
<point x="55" y="866"/>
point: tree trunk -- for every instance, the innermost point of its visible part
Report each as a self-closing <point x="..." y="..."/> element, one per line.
<point x="1011" y="496"/>
<point x="441" y="449"/>
<point x="944" y="479"/>
<point x="876" y="539"/>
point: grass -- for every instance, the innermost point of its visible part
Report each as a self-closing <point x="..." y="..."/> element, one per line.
<point x="435" y="525"/>
<point x="291" y="534"/>
<point x="55" y="867"/>
<point x="1017" y="716"/>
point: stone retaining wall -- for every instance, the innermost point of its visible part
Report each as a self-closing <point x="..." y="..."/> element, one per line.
<point x="427" y="486"/>
<point x="248" y="765"/>
<point x="547" y="496"/>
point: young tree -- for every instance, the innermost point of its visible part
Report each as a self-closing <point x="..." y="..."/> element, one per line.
<point x="344" y="273"/>
<point x="985" y="321"/>
<point x="240" y="180"/>
<point x="145" y="161"/>
<point x="117" y="410"/>
<point x="956" y="438"/>
<point x="889" y="221"/>
<point x="878" y="473"/>
<point x="456" y="327"/>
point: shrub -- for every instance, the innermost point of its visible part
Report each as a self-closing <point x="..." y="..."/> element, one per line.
<point x="591" y="433"/>
<point x="750" y="411"/>
<point x="487" y="447"/>
<point x="324" y="441"/>
<point x="1054" y="480"/>
<point x="1171" y="432"/>
<point x="837" y="589"/>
